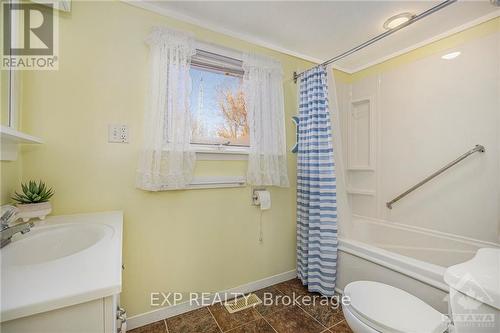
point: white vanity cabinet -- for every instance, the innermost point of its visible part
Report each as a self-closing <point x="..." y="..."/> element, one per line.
<point x="64" y="276"/>
<point x="97" y="316"/>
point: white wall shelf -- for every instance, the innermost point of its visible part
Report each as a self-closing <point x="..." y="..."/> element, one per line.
<point x="11" y="135"/>
<point x="359" y="191"/>
<point x="361" y="135"/>
<point x="10" y="139"/>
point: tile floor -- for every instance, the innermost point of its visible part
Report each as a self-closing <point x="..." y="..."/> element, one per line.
<point x="277" y="318"/>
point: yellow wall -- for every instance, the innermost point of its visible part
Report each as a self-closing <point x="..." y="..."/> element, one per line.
<point x="10" y="172"/>
<point x="196" y="240"/>
<point x="4" y="92"/>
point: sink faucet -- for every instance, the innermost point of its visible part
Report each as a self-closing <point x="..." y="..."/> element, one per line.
<point x="9" y="215"/>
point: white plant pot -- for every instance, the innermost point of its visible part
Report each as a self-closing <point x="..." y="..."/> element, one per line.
<point x="37" y="210"/>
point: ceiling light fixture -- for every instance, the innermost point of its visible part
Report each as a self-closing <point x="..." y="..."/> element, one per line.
<point x="396" y="20"/>
<point x="451" y="55"/>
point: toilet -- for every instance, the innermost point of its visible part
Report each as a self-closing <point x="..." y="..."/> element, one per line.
<point x="474" y="301"/>
<point x="377" y="307"/>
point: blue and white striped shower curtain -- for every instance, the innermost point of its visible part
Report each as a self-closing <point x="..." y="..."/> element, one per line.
<point x="316" y="187"/>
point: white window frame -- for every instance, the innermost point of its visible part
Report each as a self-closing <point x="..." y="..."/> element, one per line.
<point x="220" y="151"/>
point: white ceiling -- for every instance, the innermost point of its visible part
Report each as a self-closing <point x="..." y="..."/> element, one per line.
<point x="319" y="30"/>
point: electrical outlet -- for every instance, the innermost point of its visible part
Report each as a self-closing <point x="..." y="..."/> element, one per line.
<point x="118" y="133"/>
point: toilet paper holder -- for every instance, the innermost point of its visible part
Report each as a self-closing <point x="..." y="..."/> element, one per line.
<point x="255" y="198"/>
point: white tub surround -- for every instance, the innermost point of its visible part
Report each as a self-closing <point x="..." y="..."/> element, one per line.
<point x="408" y="120"/>
<point x="62" y="261"/>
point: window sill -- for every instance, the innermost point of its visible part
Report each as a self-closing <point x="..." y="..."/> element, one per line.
<point x="220" y="153"/>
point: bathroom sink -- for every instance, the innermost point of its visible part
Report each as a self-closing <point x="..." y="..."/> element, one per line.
<point x="64" y="260"/>
<point x="44" y="244"/>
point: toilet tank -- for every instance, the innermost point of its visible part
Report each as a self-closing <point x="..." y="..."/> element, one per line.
<point x="475" y="293"/>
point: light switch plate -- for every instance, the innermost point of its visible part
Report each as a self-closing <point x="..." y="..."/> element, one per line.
<point x="118" y="133"/>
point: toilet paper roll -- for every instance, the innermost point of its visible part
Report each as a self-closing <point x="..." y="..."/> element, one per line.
<point x="264" y="199"/>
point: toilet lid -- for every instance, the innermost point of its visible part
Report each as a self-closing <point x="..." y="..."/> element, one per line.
<point x="392" y="310"/>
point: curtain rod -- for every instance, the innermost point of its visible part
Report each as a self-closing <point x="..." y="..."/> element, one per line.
<point x="381" y="36"/>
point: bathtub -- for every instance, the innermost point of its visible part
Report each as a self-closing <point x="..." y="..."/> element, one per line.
<point x="410" y="258"/>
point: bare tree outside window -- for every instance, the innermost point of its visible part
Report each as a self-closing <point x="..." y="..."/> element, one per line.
<point x="217" y="105"/>
<point x="232" y="106"/>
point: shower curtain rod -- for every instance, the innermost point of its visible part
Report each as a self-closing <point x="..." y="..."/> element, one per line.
<point x="381" y="36"/>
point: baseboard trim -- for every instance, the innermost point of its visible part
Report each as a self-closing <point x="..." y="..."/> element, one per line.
<point x="174" y="310"/>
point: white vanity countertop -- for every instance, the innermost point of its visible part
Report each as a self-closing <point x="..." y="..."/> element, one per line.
<point x="32" y="284"/>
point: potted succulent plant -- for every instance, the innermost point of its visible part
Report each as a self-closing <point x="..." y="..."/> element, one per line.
<point x="34" y="200"/>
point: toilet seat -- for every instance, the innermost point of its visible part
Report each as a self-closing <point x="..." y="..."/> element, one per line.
<point x="391" y="310"/>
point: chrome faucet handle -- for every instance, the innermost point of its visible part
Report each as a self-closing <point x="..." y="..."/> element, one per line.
<point x="28" y="226"/>
<point x="8" y="215"/>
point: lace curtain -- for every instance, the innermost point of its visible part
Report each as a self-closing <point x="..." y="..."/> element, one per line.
<point x="166" y="161"/>
<point x="263" y="87"/>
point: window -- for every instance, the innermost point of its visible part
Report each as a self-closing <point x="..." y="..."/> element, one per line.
<point x="217" y="104"/>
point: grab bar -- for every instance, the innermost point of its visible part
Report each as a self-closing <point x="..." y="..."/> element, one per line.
<point x="477" y="148"/>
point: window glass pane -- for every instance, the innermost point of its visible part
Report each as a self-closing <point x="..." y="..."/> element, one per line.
<point x="217" y="108"/>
